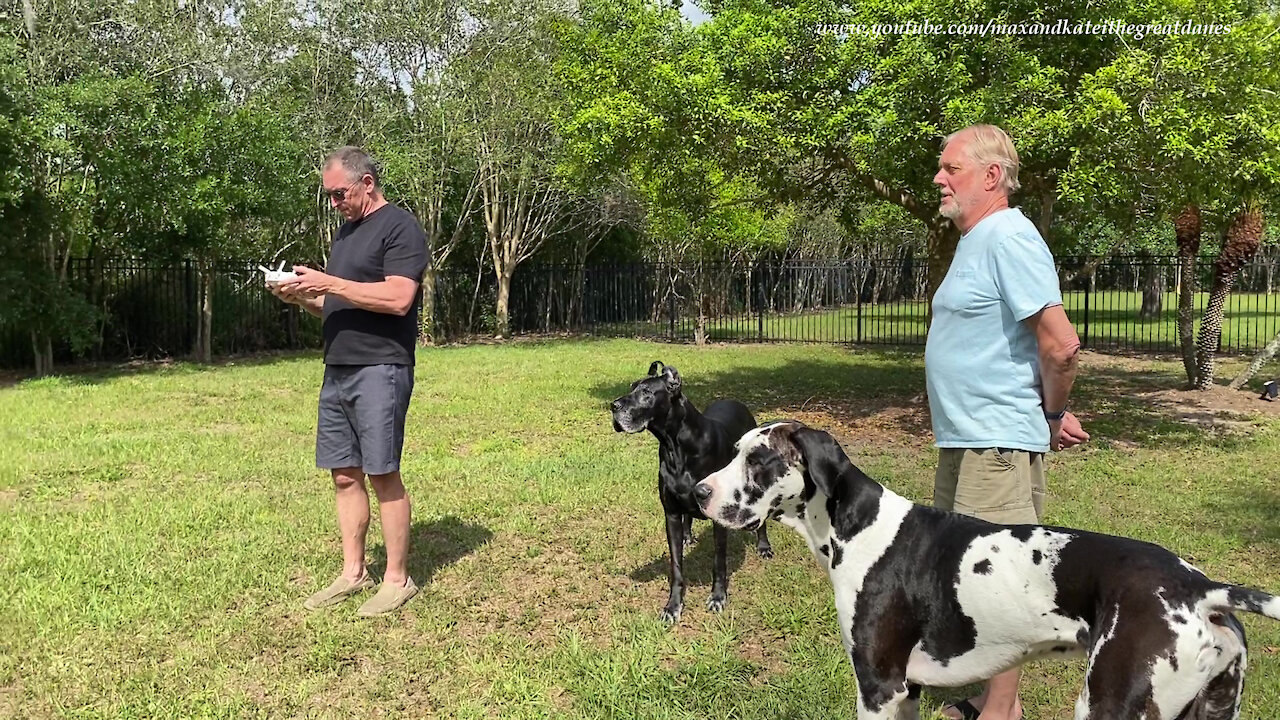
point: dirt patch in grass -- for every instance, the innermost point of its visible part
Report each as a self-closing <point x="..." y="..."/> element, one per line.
<point x="1150" y="386"/>
<point x="537" y="596"/>
<point x="897" y="422"/>
<point x="1142" y="393"/>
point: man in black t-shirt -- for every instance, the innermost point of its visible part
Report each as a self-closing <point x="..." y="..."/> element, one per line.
<point x="368" y="297"/>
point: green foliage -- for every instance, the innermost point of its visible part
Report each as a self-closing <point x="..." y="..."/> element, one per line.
<point x="789" y="98"/>
<point x="225" y="176"/>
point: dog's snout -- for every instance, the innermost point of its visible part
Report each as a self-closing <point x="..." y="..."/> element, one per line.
<point x="702" y="492"/>
<point x="616" y="405"/>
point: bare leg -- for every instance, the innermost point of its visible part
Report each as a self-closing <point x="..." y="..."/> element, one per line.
<point x="353" y="519"/>
<point x="1000" y="700"/>
<point x="393" y="504"/>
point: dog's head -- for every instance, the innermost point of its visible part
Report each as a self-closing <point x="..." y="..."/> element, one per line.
<point x="650" y="399"/>
<point x="779" y="468"/>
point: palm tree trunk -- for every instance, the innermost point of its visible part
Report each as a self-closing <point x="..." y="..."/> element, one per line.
<point x="1256" y="364"/>
<point x="1210" y="327"/>
<point x="1187" y="230"/>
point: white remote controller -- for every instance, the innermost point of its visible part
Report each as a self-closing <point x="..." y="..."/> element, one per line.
<point x="275" y="277"/>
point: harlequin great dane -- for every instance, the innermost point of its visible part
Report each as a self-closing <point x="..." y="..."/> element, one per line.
<point x="927" y="597"/>
<point x="691" y="446"/>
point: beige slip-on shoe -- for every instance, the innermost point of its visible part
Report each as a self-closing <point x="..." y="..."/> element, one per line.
<point x="388" y="599"/>
<point x="338" y="590"/>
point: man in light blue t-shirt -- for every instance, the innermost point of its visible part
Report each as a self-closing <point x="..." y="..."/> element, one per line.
<point x="999" y="362"/>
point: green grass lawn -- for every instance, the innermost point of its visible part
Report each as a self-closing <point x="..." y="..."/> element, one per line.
<point x="162" y="526"/>
<point x="1110" y="321"/>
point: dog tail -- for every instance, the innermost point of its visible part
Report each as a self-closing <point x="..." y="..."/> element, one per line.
<point x="1235" y="597"/>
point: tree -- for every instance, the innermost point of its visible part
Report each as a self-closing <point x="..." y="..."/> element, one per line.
<point x="1187" y="128"/>
<point x="509" y="111"/>
<point x="227" y="174"/>
<point x="1241" y="241"/>
<point x="33" y="294"/>
<point x="778" y="94"/>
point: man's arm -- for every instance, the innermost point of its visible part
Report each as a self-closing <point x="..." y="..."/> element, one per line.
<point x="394" y="295"/>
<point x="1058" y="347"/>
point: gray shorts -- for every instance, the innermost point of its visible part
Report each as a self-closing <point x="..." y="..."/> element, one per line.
<point x="361" y="418"/>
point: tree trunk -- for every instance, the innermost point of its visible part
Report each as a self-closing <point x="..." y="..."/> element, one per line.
<point x="203" y="347"/>
<point x="942" y="241"/>
<point x="1186" y="315"/>
<point x="42" y="350"/>
<point x="1047" y="199"/>
<point x="1256" y="364"/>
<point x="1187" y="228"/>
<point x="1210" y="328"/>
<point x="426" y="322"/>
<point x="575" y="315"/>
<point x="504" y="302"/>
<point x="700" y="330"/>
<point x="1152" y="291"/>
<point x="1239" y="244"/>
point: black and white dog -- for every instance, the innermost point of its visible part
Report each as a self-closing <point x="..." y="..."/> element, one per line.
<point x="926" y="597"/>
<point x="691" y="446"/>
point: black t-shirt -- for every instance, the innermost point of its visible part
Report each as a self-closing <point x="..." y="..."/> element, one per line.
<point x="388" y="241"/>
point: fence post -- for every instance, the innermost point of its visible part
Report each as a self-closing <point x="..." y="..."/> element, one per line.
<point x="192" y="306"/>
<point x="759" y="276"/>
<point x="671" y="312"/>
<point x="857" y="289"/>
<point x="1088" y="290"/>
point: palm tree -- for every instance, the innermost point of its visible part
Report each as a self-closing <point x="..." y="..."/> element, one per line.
<point x="1243" y="238"/>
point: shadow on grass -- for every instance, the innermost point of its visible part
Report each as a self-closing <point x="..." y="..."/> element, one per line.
<point x="435" y="545"/>
<point x="1253" y="512"/>
<point x="885" y="378"/>
<point x="1150" y="408"/>
<point x="99" y="373"/>
<point x="698" y="560"/>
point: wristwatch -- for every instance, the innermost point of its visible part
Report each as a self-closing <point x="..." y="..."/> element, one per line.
<point x="1054" y="417"/>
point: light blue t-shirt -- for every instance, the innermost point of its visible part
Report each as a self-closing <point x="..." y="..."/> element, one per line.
<point x="981" y="362"/>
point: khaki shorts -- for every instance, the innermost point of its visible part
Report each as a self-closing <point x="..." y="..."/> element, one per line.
<point x="996" y="484"/>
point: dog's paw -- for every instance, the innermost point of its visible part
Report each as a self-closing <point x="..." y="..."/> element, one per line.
<point x="765" y="551"/>
<point x="690" y="540"/>
<point x="671" y="616"/>
<point x="716" y="604"/>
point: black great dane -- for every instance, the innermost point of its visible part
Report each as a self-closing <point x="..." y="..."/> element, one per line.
<point x="927" y="597"/>
<point x="691" y="446"/>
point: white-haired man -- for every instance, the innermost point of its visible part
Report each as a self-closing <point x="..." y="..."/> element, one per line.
<point x="999" y="361"/>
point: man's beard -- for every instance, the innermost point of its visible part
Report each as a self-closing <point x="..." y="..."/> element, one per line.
<point x="950" y="212"/>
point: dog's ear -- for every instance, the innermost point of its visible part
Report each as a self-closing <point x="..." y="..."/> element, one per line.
<point x="824" y="460"/>
<point x="673" y="379"/>
<point x="655" y="367"/>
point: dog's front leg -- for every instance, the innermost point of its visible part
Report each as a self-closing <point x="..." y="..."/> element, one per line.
<point x="688" y="531"/>
<point x="762" y="542"/>
<point x="675" y="550"/>
<point x="882" y="697"/>
<point x="720" y="571"/>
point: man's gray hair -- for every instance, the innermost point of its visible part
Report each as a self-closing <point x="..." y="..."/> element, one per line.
<point x="355" y="161"/>
<point x="989" y="145"/>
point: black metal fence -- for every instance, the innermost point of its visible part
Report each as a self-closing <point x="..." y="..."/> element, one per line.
<point x="144" y="309"/>
<point x="1128" y="303"/>
<point x="1125" y="303"/>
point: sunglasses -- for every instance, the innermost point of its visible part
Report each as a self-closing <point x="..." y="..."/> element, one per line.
<point x="341" y="193"/>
